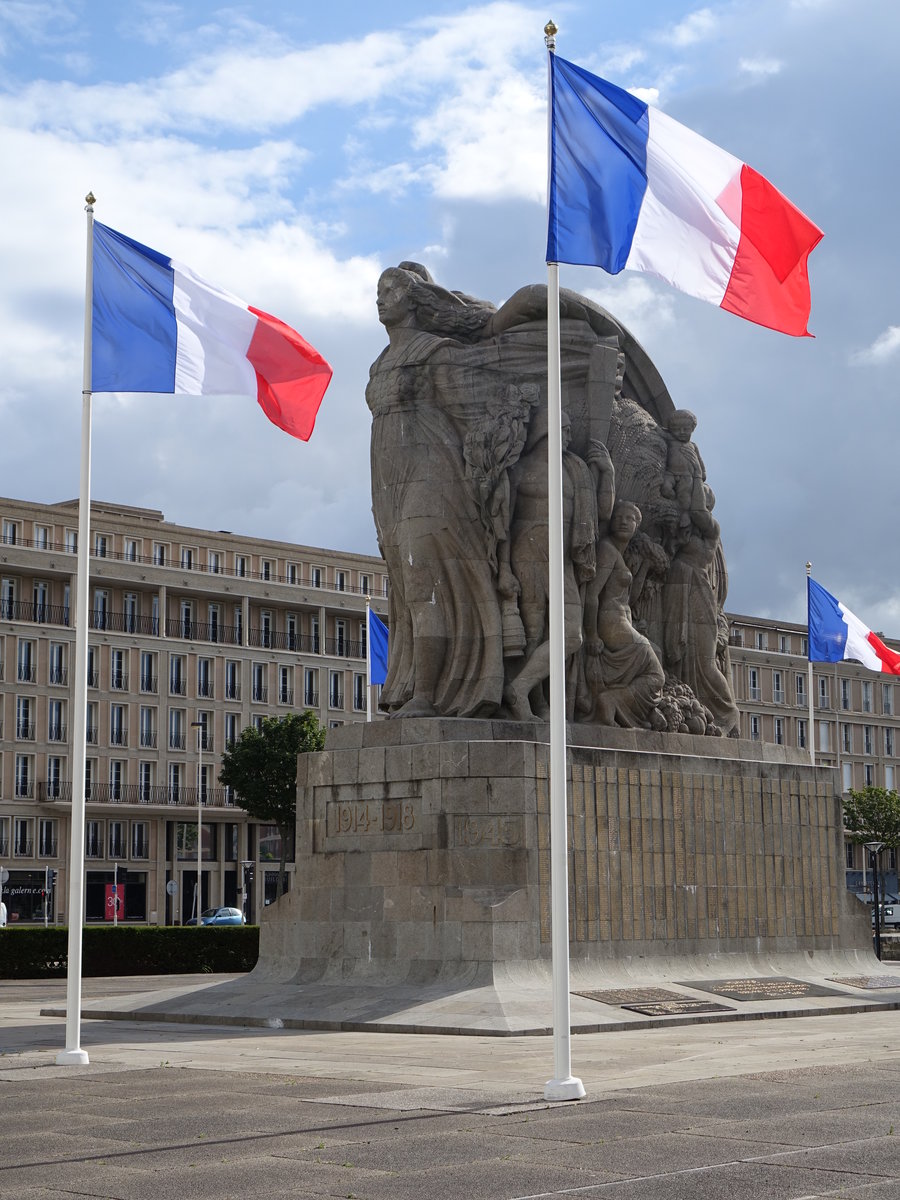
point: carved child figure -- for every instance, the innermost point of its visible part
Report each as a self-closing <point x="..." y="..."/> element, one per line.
<point x="685" y="472"/>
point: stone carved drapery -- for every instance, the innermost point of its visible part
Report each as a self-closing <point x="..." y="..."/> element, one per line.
<point x="458" y="403"/>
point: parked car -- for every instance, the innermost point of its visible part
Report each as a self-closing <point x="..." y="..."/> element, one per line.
<point x="219" y="916"/>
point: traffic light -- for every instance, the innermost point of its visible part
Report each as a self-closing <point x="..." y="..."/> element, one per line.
<point x="248" y="874"/>
<point x="54" y="876"/>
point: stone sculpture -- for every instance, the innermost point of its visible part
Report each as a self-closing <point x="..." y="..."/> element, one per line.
<point x="459" y="496"/>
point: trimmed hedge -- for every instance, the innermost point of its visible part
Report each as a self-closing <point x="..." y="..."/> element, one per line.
<point x="37" y="953"/>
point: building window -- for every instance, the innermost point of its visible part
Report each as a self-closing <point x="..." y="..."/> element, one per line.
<point x="160" y="554"/>
<point x="205" y="678"/>
<point x="177" y="675"/>
<point x="40" y="596"/>
<point x="58" y="672"/>
<point x="25" y="662"/>
<point x="232" y="680"/>
<point x="231" y="729"/>
<point x="311" y="687"/>
<point x="240" y="566"/>
<point x="754" y="690"/>
<point x="145" y="782"/>
<point x="116" y="832"/>
<point x="149" y="681"/>
<point x="762" y="641"/>
<point x="801" y="734"/>
<point x="148" y="728"/>
<point x="92" y="729"/>
<point x="140" y="843"/>
<point x="824" y="736"/>
<point x="215" y="562"/>
<point x="314" y="633"/>
<point x="93" y="675"/>
<point x="41" y="537"/>
<point x="177" y="727"/>
<point x="187" y="558"/>
<point x="889" y="777"/>
<point x="754" y="727"/>
<point x="265" y="628"/>
<point x="204" y="732"/>
<point x="54" y="776"/>
<point x="365" y="585"/>
<point x="801" y="689"/>
<point x="24" y="722"/>
<point x="291" y="572"/>
<point x="340" y="581"/>
<point x="93" y="839"/>
<point x="131" y="550"/>
<point x="779" y="731"/>
<point x="889" y="741"/>
<point x="866" y="696"/>
<point x="71" y="541"/>
<point x="56" y="721"/>
<point x="867" y="739"/>
<point x="359" y="693"/>
<point x="847" y="736"/>
<point x="8" y="600"/>
<point x="101" y="545"/>
<point x="336" y="689"/>
<point x="385" y="583"/>
<point x="845" y="694"/>
<point x="238" y="625"/>
<point x="292" y="624"/>
<point x="778" y="687"/>
<point x="116" y="778"/>
<point x="10" y="532"/>
<point x="118" y="733"/>
<point x="823" y="692"/>
<point x="887" y="698"/>
<point x="101" y="609"/>
<point x="47" y="839"/>
<point x="175" y="774"/>
<point x="850" y="855"/>
<point x="870" y="775"/>
<point x="340" y="637"/>
<point x="257" y="721"/>
<point x="315" y="576"/>
<point x="285" y="685"/>
<point x="118" y="676"/>
<point x="847" y="772"/>
<point x="804" y="647"/>
<point x="260" y="690"/>
<point x="267" y="569"/>
<point x="23" y="843"/>
<point x="130" y="612"/>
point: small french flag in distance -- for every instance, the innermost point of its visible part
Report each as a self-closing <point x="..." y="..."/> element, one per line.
<point x="836" y="635"/>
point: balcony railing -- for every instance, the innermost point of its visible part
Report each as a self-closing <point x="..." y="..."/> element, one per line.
<point x="122" y="622"/>
<point x="23" y="848"/>
<point x="24" y="789"/>
<point x="177" y="687"/>
<point x="119" y="681"/>
<point x="26" y="673"/>
<point x="57" y="733"/>
<point x="149" y="683"/>
<point x="149" y="793"/>
<point x="311" y="699"/>
<point x="232" y="691"/>
<point x="148" y="739"/>
<point x="285" y="695"/>
<point x="118" y="737"/>
<point x="90" y="735"/>
<point x="205" y="689"/>
<point x="336" y="700"/>
<point x="59" y="675"/>
<point x="345" y="648"/>
<point x="25" y="731"/>
<point x="176" y="741"/>
<point x="34" y="611"/>
<point x="260" y="693"/>
<point x="202" y="631"/>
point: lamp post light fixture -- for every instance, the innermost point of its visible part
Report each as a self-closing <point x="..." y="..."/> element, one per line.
<point x="873" y="849"/>
<point x="198" y="725"/>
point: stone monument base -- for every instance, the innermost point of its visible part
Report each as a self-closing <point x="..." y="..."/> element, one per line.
<point x="423" y="857"/>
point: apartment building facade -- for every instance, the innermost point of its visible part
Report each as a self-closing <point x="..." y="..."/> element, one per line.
<point x="855" y="712"/>
<point x="194" y="635"/>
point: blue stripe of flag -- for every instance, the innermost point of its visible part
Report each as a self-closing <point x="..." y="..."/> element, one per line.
<point x="134" y="336"/>
<point x="378" y="648"/>
<point x="598" y="168"/>
<point x="827" y="627"/>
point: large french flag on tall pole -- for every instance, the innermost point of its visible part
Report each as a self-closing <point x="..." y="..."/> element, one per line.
<point x="159" y="327"/>
<point x="632" y="188"/>
<point x="836" y="635"/>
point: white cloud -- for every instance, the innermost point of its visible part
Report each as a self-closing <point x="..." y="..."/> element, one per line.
<point x="885" y="346"/>
<point x="696" y="27"/>
<point x="641" y="307"/>
<point x="760" y="68"/>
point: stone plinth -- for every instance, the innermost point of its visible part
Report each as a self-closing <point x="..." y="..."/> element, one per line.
<point x="423" y="851"/>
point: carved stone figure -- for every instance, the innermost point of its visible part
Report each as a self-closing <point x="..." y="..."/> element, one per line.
<point x="459" y="496"/>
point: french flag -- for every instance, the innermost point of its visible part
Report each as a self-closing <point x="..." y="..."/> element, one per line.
<point x="631" y="188"/>
<point x="158" y="327"/>
<point x="835" y="635"/>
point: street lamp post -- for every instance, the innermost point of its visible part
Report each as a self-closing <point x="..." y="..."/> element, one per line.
<point x="198" y="725"/>
<point x="873" y="848"/>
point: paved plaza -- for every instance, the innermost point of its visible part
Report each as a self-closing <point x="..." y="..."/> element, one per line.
<point x="779" y="1108"/>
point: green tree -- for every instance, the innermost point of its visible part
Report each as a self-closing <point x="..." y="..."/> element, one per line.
<point x="261" y="766"/>
<point x="873" y="815"/>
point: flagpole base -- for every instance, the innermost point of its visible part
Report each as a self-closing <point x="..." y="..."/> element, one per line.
<point x="570" y="1088"/>
<point x="72" y="1058"/>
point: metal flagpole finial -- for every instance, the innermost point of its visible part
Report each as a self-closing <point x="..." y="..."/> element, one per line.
<point x="90" y="199"/>
<point x="808" y="567"/>
<point x="550" y="32"/>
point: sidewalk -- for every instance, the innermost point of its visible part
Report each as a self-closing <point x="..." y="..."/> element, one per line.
<point x="807" y="1107"/>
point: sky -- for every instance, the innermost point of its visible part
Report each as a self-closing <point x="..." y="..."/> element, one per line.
<point x="290" y="152"/>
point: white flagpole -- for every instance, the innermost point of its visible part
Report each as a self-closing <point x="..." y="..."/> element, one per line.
<point x="564" y="1085"/>
<point x="73" y="1054"/>
<point x="809" y="675"/>
<point x="368" y="664"/>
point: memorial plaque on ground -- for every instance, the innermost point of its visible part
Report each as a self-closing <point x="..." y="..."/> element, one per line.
<point x="774" y="987"/>
<point x="869" y="982"/>
<point x="622" y="997"/>
<point x="674" y="1008"/>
